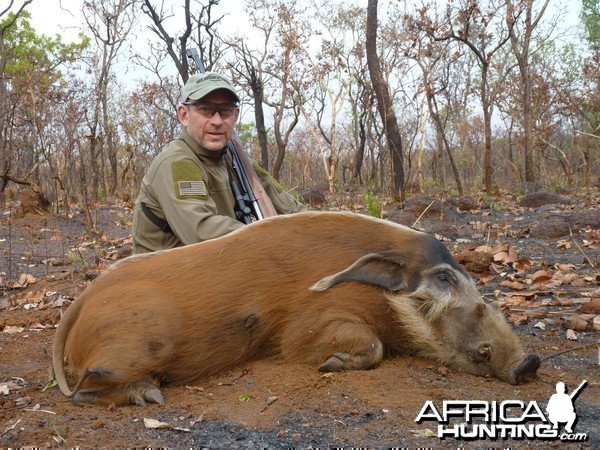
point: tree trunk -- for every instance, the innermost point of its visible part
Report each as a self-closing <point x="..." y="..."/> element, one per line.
<point x="521" y="51"/>
<point x="259" y="117"/>
<point x="488" y="168"/>
<point x="385" y="105"/>
<point x="443" y="141"/>
<point x="360" y="151"/>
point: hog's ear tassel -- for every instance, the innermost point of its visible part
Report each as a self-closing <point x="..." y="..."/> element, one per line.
<point x="384" y="270"/>
<point x="323" y="284"/>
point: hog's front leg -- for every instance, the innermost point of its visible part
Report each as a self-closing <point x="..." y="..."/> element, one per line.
<point x="335" y="345"/>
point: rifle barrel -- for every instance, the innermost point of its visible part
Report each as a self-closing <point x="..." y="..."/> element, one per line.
<point x="576" y="391"/>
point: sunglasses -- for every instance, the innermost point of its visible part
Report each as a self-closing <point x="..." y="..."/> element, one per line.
<point x="208" y="110"/>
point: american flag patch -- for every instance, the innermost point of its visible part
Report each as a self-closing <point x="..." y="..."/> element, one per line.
<point x="192" y="188"/>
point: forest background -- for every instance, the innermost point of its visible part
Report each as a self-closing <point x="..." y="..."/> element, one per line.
<point x="380" y="98"/>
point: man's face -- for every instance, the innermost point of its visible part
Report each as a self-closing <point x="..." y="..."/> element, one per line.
<point x="210" y="131"/>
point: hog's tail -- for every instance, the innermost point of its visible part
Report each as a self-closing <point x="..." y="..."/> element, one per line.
<point x="58" y="347"/>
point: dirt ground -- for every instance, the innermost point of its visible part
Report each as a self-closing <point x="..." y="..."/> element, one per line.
<point x="541" y="266"/>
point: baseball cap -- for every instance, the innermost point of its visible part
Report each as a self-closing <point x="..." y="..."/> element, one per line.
<point x="199" y="85"/>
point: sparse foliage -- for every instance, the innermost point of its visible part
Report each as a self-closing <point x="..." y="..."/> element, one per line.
<point x="452" y="97"/>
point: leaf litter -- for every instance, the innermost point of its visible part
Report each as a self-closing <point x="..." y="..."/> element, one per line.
<point x="552" y="301"/>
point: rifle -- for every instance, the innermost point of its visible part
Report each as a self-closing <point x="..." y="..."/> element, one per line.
<point x="248" y="205"/>
<point x="574" y="394"/>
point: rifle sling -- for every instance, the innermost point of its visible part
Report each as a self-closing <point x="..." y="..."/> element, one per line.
<point x="160" y="223"/>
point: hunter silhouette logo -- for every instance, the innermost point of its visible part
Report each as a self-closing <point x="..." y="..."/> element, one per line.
<point x="508" y="419"/>
<point x="560" y="407"/>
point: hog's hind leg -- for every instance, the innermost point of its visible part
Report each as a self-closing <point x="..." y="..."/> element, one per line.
<point x="122" y="357"/>
<point x="96" y="388"/>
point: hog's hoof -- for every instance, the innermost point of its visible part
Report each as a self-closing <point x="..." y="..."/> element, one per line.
<point x="366" y="359"/>
<point x="524" y="371"/>
<point x="154" y="396"/>
<point x="145" y="392"/>
<point x="89" y="397"/>
<point x="337" y="363"/>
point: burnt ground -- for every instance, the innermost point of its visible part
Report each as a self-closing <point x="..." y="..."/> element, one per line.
<point x="538" y="261"/>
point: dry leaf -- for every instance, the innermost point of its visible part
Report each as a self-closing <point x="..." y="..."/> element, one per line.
<point x="55" y="262"/>
<point x="564" y="244"/>
<point x="552" y="283"/>
<point x="518" y="319"/>
<point x="506" y="256"/>
<point x="6" y="387"/>
<point x="529" y="295"/>
<point x="24" y="280"/>
<point x="496" y="268"/>
<point x="574" y="323"/>
<point x="502" y="305"/>
<point x="500" y="248"/>
<point x="571" y="335"/>
<point x="513" y="255"/>
<point x="195" y="388"/>
<point x="9" y="329"/>
<point x="578" y="282"/>
<point x="587" y="317"/>
<point x="425" y="432"/>
<point x="562" y="302"/>
<point x="270" y="400"/>
<point x="154" y="424"/>
<point x="486" y="277"/>
<point x="197" y="419"/>
<point x="522" y="265"/>
<point x="501" y="257"/>
<point x="541" y="277"/>
<point x="515" y="285"/>
<point x="27" y="297"/>
<point x="516" y="300"/>
<point x="538" y="313"/>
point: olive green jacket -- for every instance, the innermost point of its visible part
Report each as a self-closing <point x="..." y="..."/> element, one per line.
<point x="189" y="187"/>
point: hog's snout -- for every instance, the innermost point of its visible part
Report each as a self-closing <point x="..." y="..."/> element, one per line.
<point x="525" y="370"/>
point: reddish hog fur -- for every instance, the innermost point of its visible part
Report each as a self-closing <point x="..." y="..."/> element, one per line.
<point x="339" y="291"/>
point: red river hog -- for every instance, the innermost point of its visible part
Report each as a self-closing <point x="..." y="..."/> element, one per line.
<point x="339" y="291"/>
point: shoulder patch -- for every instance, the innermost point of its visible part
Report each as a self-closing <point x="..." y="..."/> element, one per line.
<point x="187" y="179"/>
<point x="187" y="188"/>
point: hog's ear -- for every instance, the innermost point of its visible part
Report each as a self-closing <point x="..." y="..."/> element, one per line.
<point x="378" y="269"/>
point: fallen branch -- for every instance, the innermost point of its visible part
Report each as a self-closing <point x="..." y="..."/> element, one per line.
<point x="579" y="347"/>
<point x="10" y="428"/>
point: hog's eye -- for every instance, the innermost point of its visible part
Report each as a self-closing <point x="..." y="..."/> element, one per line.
<point x="445" y="279"/>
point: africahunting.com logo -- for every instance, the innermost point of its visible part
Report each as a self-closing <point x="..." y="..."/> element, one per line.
<point x="510" y="419"/>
